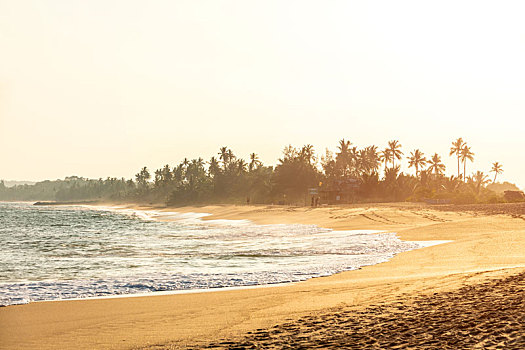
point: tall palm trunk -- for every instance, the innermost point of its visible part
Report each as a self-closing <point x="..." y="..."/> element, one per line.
<point x="464" y="170"/>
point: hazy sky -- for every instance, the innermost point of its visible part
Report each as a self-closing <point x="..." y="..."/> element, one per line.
<point x="101" y="88"/>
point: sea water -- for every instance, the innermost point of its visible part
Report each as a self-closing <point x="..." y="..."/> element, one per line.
<point x="64" y="252"/>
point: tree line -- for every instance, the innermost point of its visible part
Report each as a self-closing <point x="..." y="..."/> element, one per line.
<point x="227" y="178"/>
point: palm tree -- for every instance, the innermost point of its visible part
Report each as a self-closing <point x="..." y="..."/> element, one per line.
<point x="496" y="169"/>
<point x="353" y="156"/>
<point x="391" y="175"/>
<point x="241" y="164"/>
<point x="178" y="173"/>
<point x="480" y="179"/>
<point x="417" y="160"/>
<point x="166" y="174"/>
<point x="395" y="151"/>
<point x="214" y="168"/>
<point x="254" y="162"/>
<point x="367" y="160"/>
<point x="372" y="159"/>
<point x="456" y="149"/>
<point x="451" y="184"/>
<point x="384" y="156"/>
<point x="328" y="164"/>
<point x="307" y="154"/>
<point x="344" y="146"/>
<point x="231" y="156"/>
<point x="466" y="154"/>
<point x="343" y="156"/>
<point x="224" y="156"/>
<point x="158" y="178"/>
<point x="435" y="165"/>
<point x="142" y="178"/>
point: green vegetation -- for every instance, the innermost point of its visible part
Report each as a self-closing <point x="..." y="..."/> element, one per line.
<point x="72" y="188"/>
<point x="351" y="175"/>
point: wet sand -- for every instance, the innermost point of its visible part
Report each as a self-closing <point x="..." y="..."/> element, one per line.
<point x="485" y="247"/>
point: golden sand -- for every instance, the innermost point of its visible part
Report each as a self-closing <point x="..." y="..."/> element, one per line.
<point x="484" y="247"/>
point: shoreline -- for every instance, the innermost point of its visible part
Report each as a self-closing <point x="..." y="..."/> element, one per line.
<point x="484" y="246"/>
<point x="167" y="214"/>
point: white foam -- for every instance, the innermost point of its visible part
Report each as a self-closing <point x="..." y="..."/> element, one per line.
<point x="128" y="251"/>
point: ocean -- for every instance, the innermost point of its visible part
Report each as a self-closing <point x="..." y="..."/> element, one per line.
<point x="68" y="252"/>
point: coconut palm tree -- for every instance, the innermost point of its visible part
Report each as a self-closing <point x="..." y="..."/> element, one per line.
<point x="224" y="156"/>
<point x="367" y="160"/>
<point x="166" y="174"/>
<point x="395" y="151"/>
<point x="214" y="168"/>
<point x="361" y="161"/>
<point x="372" y="157"/>
<point x="178" y="173"/>
<point x="241" y="164"/>
<point x="466" y="154"/>
<point x="231" y="156"/>
<point x="456" y="150"/>
<point x="451" y="184"/>
<point x="343" y="156"/>
<point x="353" y="164"/>
<point x="496" y="169"/>
<point x="344" y="146"/>
<point x="417" y="160"/>
<point x="435" y="165"/>
<point x="158" y="178"/>
<point x="307" y="154"/>
<point x="254" y="162"/>
<point x="142" y="178"/>
<point x="480" y="179"/>
<point x="391" y="175"/>
<point x="384" y="157"/>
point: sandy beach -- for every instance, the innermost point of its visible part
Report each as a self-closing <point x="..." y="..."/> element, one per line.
<point x="465" y="293"/>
